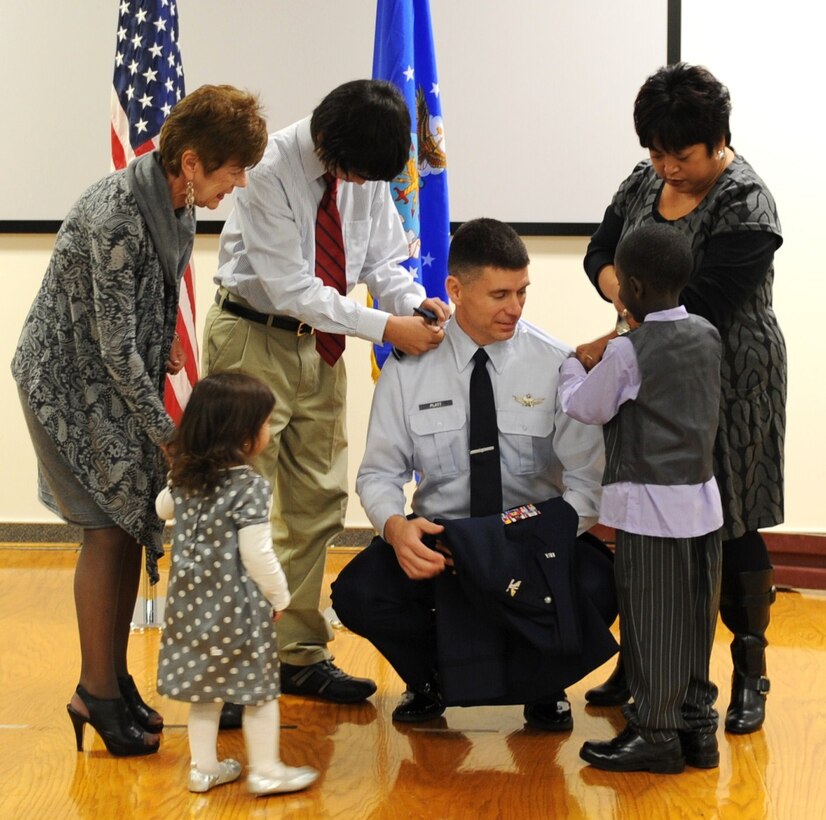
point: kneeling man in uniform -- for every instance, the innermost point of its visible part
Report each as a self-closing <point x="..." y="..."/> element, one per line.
<point x="492" y="591"/>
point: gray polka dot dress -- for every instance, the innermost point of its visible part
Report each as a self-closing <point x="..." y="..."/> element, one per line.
<point x="218" y="640"/>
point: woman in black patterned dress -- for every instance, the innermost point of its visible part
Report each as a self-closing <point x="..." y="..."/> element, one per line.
<point x="695" y="181"/>
<point x="91" y="365"/>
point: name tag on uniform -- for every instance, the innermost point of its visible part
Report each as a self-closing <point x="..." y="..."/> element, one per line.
<point x="519" y="514"/>
<point x="434" y="405"/>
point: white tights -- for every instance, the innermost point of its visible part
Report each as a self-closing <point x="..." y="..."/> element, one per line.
<point x="260" y="724"/>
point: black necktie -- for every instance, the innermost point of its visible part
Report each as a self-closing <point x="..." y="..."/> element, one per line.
<point x="485" y="471"/>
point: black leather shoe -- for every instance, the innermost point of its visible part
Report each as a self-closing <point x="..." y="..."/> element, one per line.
<point x="324" y="680"/>
<point x="614" y="692"/>
<point x="419" y="704"/>
<point x="550" y="716"/>
<point x="700" y="749"/>
<point x="232" y="715"/>
<point x="630" y="752"/>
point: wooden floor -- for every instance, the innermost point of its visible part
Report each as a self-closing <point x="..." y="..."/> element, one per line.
<point x="473" y="763"/>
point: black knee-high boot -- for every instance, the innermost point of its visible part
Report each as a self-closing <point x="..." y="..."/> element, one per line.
<point x="745" y="602"/>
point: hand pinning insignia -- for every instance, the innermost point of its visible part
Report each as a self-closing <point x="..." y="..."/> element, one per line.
<point x="528" y="400"/>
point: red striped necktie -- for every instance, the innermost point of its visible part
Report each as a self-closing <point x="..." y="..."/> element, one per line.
<point x="329" y="264"/>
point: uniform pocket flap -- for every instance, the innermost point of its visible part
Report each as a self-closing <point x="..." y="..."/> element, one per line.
<point x="532" y="422"/>
<point x="437" y="420"/>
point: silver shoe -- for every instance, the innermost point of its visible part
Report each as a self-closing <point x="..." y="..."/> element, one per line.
<point x="290" y="779"/>
<point x="199" y="781"/>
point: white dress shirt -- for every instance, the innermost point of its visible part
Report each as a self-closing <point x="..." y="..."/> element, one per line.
<point x="267" y="250"/>
<point x="419" y="422"/>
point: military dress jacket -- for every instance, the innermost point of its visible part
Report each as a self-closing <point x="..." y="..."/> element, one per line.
<point x="528" y="608"/>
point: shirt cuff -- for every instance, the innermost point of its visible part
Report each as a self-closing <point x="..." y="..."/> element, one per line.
<point x="371" y="324"/>
<point x="381" y="514"/>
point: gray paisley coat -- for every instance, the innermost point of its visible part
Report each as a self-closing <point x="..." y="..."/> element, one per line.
<point x="92" y="355"/>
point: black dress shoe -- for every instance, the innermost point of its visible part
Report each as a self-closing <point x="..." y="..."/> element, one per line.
<point x="614" y="692"/>
<point x="324" y="680"/>
<point x="630" y="752"/>
<point x="231" y="716"/>
<point x="550" y="716"/>
<point x="700" y="749"/>
<point x="419" y="704"/>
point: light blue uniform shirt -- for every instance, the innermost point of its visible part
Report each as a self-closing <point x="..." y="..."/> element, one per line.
<point x="419" y="422"/>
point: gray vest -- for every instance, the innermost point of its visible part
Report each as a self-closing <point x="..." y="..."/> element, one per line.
<point x="666" y="435"/>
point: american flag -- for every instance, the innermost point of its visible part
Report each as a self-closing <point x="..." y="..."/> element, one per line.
<point x="148" y="81"/>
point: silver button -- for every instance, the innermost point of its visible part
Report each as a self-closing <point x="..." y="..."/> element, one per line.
<point x="548" y="599"/>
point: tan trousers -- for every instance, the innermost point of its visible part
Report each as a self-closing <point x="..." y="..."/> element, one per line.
<point x="306" y="461"/>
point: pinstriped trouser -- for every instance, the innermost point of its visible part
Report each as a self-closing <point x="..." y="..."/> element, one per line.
<point x="668" y="592"/>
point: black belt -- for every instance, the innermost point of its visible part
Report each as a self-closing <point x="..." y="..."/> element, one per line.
<point x="269" y="319"/>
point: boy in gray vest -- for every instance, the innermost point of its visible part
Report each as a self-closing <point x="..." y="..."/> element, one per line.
<point x="656" y="391"/>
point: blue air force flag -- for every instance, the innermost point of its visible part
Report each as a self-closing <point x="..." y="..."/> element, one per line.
<point x="403" y="53"/>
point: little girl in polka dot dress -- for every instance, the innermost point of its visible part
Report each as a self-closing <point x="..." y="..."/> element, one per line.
<point x="226" y="587"/>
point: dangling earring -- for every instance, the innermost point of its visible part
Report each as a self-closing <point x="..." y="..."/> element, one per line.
<point x="190" y="196"/>
<point x="721" y="154"/>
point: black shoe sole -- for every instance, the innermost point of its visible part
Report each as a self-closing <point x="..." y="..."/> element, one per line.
<point x="417" y="718"/>
<point x="541" y="725"/>
<point x="654" y="766"/>
<point x="707" y="761"/>
<point x="330" y="698"/>
<point x="617" y="699"/>
<point x="744" y="730"/>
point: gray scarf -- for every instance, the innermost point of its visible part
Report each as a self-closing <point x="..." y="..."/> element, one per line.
<point x="173" y="234"/>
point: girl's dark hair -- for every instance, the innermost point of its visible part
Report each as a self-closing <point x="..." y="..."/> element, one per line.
<point x="680" y="105"/>
<point x="224" y="414"/>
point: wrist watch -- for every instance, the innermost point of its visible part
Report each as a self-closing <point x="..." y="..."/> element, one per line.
<point x="622" y="326"/>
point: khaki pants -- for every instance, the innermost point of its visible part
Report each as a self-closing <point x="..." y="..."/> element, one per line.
<point x="305" y="461"/>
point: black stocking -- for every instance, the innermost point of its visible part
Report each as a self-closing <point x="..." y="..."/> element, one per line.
<point x="103" y="586"/>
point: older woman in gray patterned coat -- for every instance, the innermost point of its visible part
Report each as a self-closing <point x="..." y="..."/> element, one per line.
<point x="91" y="365"/>
<point x="696" y="182"/>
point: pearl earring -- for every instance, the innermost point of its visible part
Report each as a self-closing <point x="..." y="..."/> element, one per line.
<point x="721" y="154"/>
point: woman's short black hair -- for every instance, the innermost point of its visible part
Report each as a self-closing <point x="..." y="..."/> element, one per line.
<point x="363" y="127"/>
<point x="682" y="105"/>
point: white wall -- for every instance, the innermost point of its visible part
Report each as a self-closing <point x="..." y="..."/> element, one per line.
<point x="769" y="57"/>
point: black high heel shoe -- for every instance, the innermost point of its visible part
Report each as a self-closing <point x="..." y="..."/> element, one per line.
<point x="113" y="721"/>
<point x="142" y="712"/>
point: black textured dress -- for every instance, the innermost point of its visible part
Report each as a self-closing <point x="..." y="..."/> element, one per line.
<point x="734" y="233"/>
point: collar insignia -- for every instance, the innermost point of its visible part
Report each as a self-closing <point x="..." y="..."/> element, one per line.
<point x="528" y="400"/>
<point x="513" y="587"/>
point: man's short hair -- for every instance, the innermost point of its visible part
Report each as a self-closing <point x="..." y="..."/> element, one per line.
<point x="483" y="243"/>
<point x="363" y="127"/>
<point x="658" y="255"/>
